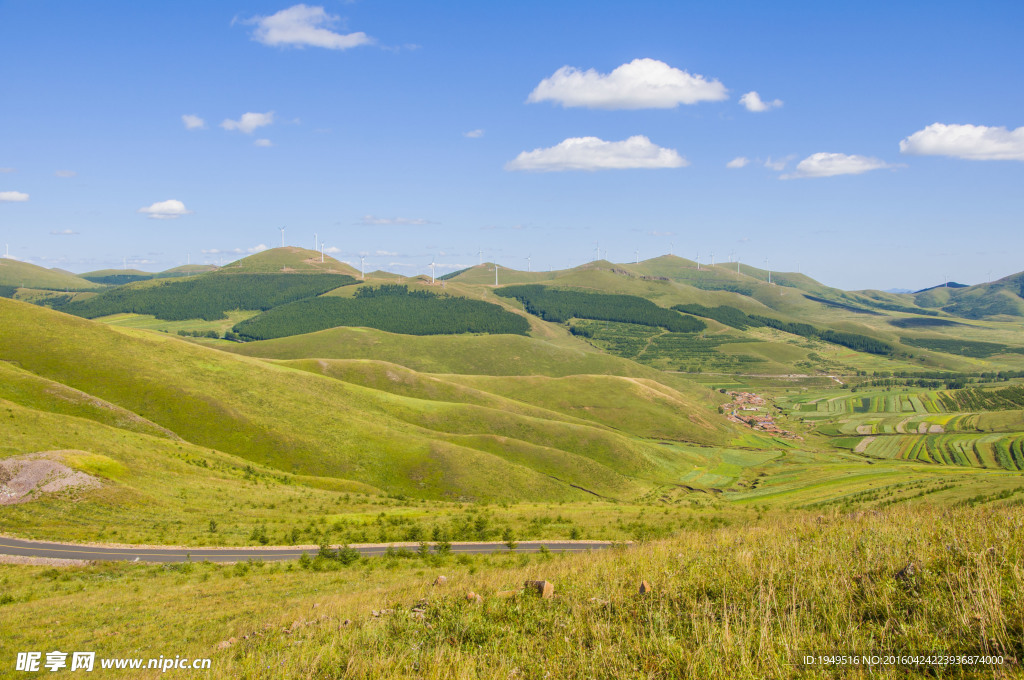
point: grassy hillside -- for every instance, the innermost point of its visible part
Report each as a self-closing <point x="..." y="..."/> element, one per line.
<point x="263" y="412"/>
<point x="288" y="259"/>
<point x="25" y="275"/>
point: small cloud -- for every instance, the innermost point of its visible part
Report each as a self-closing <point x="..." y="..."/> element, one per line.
<point x="165" y="210"/>
<point x="738" y="162"/>
<point x="332" y="250"/>
<point x="971" y="142"/>
<point x="256" y="249"/>
<point x="752" y="101"/>
<point x="778" y="165"/>
<point x="234" y="251"/>
<point x="6" y="170"/>
<point x="193" y="122"/>
<point x="833" y="164"/>
<point x="65" y="173"/>
<point x="385" y="253"/>
<point x="249" y="122"/>
<point x="640" y="84"/>
<point x="591" y="153"/>
<point x="263" y="142"/>
<point x="372" y="220"/>
<point x="304" y="26"/>
<point x="474" y="134"/>
<point x="661" y="233"/>
<point x="13" y="197"/>
<point x="63" y="232"/>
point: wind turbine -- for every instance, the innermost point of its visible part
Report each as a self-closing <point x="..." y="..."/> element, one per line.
<point x="597" y="250"/>
<point x="671" y="248"/>
<point x="480" y="256"/>
<point x="636" y="256"/>
<point x="698" y="260"/>
<point x="529" y="263"/>
<point x="495" y="274"/>
<point x="282" y="237"/>
<point x="321" y="253"/>
<point x="432" y="265"/>
<point x="712" y="258"/>
<point x="362" y="267"/>
<point x="769" y="270"/>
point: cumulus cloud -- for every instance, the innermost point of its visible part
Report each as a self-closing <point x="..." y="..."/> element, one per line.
<point x="263" y="142"/>
<point x="738" y="162"/>
<point x="193" y="122"/>
<point x="249" y="122"/>
<point x="305" y="26"/>
<point x="640" y="84"/>
<point x="13" y="196"/>
<point x="777" y="165"/>
<point x="591" y="153"/>
<point x="165" y="210"/>
<point x="973" y="142"/>
<point x="65" y="173"/>
<point x="474" y="134"/>
<point x="752" y="102"/>
<point x="832" y="164"/>
<point x="63" y="232"/>
<point x="373" y="220"/>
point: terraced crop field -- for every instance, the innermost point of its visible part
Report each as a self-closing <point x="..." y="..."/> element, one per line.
<point x="1005" y="451"/>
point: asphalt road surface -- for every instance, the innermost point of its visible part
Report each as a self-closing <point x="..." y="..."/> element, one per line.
<point x="71" y="551"/>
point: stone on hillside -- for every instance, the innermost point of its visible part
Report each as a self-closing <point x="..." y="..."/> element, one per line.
<point x="645" y="587"/>
<point x="440" y="581"/>
<point x="545" y="589"/>
<point x="473" y="598"/>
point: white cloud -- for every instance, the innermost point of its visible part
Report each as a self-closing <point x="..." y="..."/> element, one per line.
<point x="738" y="162"/>
<point x="591" y="153"/>
<point x="263" y="142"/>
<point x="257" y="249"/>
<point x="973" y="142"/>
<point x="752" y="101"/>
<point x="474" y="134"/>
<point x="301" y="26"/>
<point x="393" y="221"/>
<point x="778" y="165"/>
<point x="63" y="232"/>
<point x="249" y="122"/>
<point x="13" y="197"/>
<point x="832" y="164"/>
<point x="385" y="253"/>
<point x="65" y="173"/>
<point x="2" y="170"/>
<point x="193" y="122"/>
<point x="640" y="84"/>
<point x="332" y="250"/>
<point x="165" y="210"/>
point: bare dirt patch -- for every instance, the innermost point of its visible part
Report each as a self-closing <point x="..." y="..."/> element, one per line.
<point x="863" y="444"/>
<point x="25" y="478"/>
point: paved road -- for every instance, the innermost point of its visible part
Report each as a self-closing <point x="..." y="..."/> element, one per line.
<point x="71" y="551"/>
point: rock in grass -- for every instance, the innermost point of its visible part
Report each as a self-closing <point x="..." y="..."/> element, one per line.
<point x="473" y="598"/>
<point x="645" y="587"/>
<point x="545" y="589"/>
<point x="440" y="581"/>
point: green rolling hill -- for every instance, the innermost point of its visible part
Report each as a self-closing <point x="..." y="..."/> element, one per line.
<point x="26" y="275"/>
<point x="331" y="427"/>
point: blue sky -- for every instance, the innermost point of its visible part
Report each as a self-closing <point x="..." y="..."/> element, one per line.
<point x="411" y="131"/>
